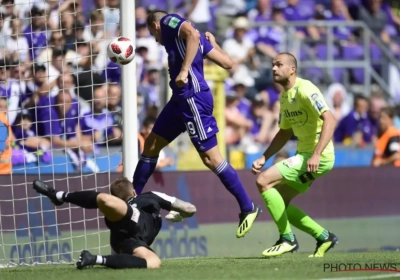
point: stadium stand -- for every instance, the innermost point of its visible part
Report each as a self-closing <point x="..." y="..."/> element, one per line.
<point x="53" y="67"/>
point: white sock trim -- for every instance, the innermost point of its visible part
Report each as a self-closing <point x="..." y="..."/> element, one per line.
<point x="59" y="196"/>
<point x="99" y="259"/>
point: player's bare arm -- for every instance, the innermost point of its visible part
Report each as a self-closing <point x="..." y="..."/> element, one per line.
<point x="184" y="208"/>
<point x="192" y="38"/>
<point x="277" y="144"/>
<point x="327" y="131"/>
<point x="218" y="55"/>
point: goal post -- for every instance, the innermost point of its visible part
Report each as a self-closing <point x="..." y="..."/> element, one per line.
<point x="129" y="91"/>
<point x="32" y="230"/>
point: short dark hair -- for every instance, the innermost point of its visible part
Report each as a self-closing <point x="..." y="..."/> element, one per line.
<point x="122" y="188"/>
<point x="358" y="97"/>
<point x="292" y="58"/>
<point x="154" y="16"/>
<point x="389" y="111"/>
<point x="58" y="52"/>
<point x="148" y="121"/>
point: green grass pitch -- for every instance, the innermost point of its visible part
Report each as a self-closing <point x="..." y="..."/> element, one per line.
<point x="289" y="266"/>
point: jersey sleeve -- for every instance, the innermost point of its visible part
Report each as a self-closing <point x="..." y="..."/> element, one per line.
<point x="394" y="144"/>
<point x="314" y="99"/>
<point x="171" y="25"/>
<point x="165" y="201"/>
<point x="206" y="46"/>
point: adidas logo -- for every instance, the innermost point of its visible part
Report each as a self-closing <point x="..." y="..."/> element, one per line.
<point x="244" y="226"/>
<point x="209" y="130"/>
<point x="274" y="249"/>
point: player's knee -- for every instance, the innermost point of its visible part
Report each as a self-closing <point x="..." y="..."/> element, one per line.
<point x="153" y="262"/>
<point x="154" y="144"/>
<point x="263" y="183"/>
<point x="212" y="158"/>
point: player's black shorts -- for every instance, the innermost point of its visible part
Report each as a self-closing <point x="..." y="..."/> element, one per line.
<point x="125" y="244"/>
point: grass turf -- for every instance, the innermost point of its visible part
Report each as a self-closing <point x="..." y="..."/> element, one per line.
<point x="289" y="266"/>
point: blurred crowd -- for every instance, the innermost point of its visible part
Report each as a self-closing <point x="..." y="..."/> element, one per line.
<point x="60" y="91"/>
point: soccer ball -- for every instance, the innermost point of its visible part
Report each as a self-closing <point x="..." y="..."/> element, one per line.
<point x="121" y="51"/>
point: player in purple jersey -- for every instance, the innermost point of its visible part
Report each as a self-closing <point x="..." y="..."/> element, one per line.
<point x="190" y="109"/>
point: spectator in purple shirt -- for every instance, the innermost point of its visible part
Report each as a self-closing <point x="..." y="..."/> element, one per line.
<point x="262" y="13"/>
<point x="114" y="104"/>
<point x="112" y="73"/>
<point x="10" y="89"/>
<point x="36" y="33"/>
<point x="263" y="120"/>
<point x="270" y="38"/>
<point x="59" y="117"/>
<point x="356" y="128"/>
<point x="339" y="12"/>
<point x="300" y="11"/>
<point x="26" y="139"/>
<point x="97" y="126"/>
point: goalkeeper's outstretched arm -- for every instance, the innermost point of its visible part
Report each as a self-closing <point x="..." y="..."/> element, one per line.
<point x="184" y="208"/>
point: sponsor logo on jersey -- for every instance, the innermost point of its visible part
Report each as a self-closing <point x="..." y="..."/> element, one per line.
<point x="173" y="22"/>
<point x="291" y="114"/>
<point x="39" y="241"/>
<point x="319" y="105"/>
<point x="314" y="96"/>
<point x="296" y="118"/>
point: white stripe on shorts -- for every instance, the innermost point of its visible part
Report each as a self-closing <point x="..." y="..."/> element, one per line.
<point x="197" y="119"/>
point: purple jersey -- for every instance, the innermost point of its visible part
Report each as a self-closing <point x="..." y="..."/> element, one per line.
<point x="36" y="41"/>
<point x="343" y="32"/>
<point x="55" y="125"/>
<point x="176" y="49"/>
<point x="244" y="107"/>
<point x="112" y="73"/>
<point x="353" y="123"/>
<point x="103" y="122"/>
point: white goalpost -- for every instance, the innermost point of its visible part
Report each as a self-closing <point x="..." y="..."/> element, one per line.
<point x="67" y="138"/>
<point x="129" y="93"/>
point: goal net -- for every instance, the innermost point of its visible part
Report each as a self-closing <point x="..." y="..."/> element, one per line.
<point x="61" y="97"/>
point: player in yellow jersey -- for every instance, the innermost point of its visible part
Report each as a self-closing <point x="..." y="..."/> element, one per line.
<point x="304" y="113"/>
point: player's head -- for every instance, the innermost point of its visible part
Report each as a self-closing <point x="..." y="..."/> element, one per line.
<point x="386" y="118"/>
<point x="284" y="66"/>
<point x="361" y="104"/>
<point x="153" y="24"/>
<point x="122" y="188"/>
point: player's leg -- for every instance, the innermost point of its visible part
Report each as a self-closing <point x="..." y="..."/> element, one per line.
<point x="113" y="208"/>
<point x="165" y="130"/>
<point x="294" y="180"/>
<point x="297" y="217"/>
<point x="326" y="240"/>
<point x="266" y="183"/>
<point x="202" y="129"/>
<point x="142" y="257"/>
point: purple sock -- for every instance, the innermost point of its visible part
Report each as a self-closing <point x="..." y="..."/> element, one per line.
<point x="143" y="171"/>
<point x="232" y="183"/>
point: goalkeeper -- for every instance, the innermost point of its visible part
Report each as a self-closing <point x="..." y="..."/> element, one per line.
<point x="134" y="221"/>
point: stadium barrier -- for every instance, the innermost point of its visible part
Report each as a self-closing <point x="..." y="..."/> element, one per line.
<point x="352" y="202"/>
<point x="345" y="157"/>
